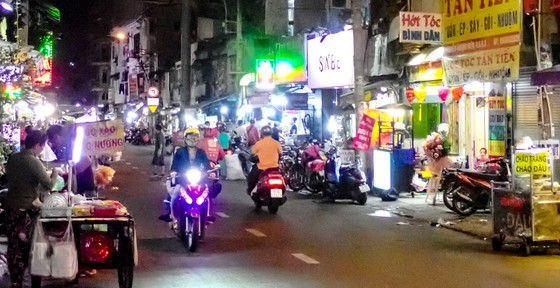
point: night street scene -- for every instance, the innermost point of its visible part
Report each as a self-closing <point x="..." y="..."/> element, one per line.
<point x="279" y="143"/>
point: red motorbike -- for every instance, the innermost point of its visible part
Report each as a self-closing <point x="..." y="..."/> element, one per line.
<point x="470" y="190"/>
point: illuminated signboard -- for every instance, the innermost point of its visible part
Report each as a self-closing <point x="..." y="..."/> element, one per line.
<point x="10" y="73"/>
<point x="265" y="74"/>
<point x="46" y="48"/>
<point x="330" y="60"/>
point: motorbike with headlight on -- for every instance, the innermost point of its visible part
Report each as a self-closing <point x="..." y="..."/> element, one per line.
<point x="190" y="203"/>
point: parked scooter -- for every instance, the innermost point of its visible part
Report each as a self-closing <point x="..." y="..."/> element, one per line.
<point x="344" y="181"/>
<point x="189" y="205"/>
<point x="471" y="189"/>
<point x="270" y="190"/>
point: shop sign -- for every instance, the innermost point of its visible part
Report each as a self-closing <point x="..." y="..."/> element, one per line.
<point x="497" y="124"/>
<point x="103" y="138"/>
<point x="420" y="27"/>
<point x="532" y="163"/>
<point x="495" y="65"/>
<point x="466" y="20"/>
<point x="347" y="156"/>
<point x="363" y="135"/>
<point x="330" y="60"/>
<point x="426" y="72"/>
<point x="133" y="87"/>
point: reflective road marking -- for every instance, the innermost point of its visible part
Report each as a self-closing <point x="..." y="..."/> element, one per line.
<point x="222" y="215"/>
<point x="255" y="232"/>
<point x="128" y="163"/>
<point x="134" y="167"/>
<point x="305" y="258"/>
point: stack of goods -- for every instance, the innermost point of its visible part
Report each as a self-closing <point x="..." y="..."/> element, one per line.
<point x="98" y="208"/>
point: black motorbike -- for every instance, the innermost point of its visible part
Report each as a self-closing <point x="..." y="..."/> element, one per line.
<point x="344" y="181"/>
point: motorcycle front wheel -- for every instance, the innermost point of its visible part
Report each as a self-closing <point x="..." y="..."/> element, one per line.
<point x="188" y="229"/>
<point x="448" y="197"/>
<point x="463" y="202"/>
<point x="362" y="197"/>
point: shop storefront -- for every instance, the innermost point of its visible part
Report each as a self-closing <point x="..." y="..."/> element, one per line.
<point x="480" y="66"/>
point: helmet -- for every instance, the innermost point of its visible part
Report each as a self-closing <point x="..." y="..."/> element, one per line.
<point x="191" y="131"/>
<point x="266" y="131"/>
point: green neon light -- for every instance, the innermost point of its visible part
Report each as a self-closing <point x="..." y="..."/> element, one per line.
<point x="46" y="45"/>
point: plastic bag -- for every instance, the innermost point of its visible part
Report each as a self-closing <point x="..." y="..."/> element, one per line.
<point x="40" y="262"/>
<point x="64" y="258"/>
<point x="234" y="170"/>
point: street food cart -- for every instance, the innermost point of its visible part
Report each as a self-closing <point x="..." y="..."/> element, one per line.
<point x="103" y="230"/>
<point x="526" y="211"/>
<point x="393" y="161"/>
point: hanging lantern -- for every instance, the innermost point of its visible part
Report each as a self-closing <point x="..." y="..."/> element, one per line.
<point x="443" y="93"/>
<point x="457" y="93"/>
<point x="410" y="95"/>
<point x="420" y="94"/>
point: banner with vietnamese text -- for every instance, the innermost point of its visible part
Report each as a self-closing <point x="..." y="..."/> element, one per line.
<point x="102" y="138"/>
<point x="363" y="135"/>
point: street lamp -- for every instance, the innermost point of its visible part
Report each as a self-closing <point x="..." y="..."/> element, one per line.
<point x="224" y="110"/>
<point x="6" y="6"/>
<point x="120" y="35"/>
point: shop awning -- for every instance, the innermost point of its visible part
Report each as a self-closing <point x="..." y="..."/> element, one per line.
<point x="550" y="76"/>
<point x="429" y="55"/>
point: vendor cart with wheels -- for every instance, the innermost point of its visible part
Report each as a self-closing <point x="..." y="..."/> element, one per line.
<point x="526" y="211"/>
<point x="115" y="245"/>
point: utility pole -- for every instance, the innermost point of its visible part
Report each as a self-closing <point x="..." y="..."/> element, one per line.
<point x="238" y="46"/>
<point x="360" y="40"/>
<point x="186" y="100"/>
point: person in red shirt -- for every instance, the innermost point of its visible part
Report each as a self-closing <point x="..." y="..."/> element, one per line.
<point x="252" y="133"/>
<point x="209" y="143"/>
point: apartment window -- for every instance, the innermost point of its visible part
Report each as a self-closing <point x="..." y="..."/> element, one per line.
<point x="137" y="42"/>
<point x="105" y="52"/>
<point x="104" y="76"/>
<point x="105" y="97"/>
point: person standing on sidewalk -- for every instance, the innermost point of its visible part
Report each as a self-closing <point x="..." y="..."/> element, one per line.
<point x="24" y="172"/>
<point x="158" y="162"/>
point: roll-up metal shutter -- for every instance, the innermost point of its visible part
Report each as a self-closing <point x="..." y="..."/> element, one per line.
<point x="525" y="106"/>
<point x="554" y="101"/>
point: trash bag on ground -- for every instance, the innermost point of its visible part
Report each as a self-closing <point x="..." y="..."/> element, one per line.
<point x="234" y="170"/>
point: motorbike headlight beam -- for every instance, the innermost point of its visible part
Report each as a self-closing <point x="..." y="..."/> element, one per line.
<point x="194" y="176"/>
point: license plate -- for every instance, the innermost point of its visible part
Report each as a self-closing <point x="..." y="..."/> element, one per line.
<point x="276" y="193"/>
<point x="364" y="188"/>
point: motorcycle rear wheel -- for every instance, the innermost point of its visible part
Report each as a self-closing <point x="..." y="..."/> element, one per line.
<point x="313" y="182"/>
<point x="296" y="179"/>
<point x="463" y="206"/>
<point x="273" y="209"/>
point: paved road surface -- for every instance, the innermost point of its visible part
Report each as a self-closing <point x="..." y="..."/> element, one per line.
<point x="308" y="244"/>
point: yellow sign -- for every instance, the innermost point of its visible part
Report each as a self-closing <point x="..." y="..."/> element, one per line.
<point x="495" y="65"/>
<point x="426" y="72"/>
<point x="465" y="20"/>
<point x="532" y="163"/>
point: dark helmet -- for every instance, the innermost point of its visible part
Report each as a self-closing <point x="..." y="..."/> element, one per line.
<point x="266" y="131"/>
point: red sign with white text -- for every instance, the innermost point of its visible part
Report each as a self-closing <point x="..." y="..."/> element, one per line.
<point x="363" y="135"/>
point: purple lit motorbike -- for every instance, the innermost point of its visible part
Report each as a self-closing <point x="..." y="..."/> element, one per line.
<point x="190" y="203"/>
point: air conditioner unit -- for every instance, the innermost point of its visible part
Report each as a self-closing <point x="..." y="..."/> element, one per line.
<point x="341" y="4"/>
